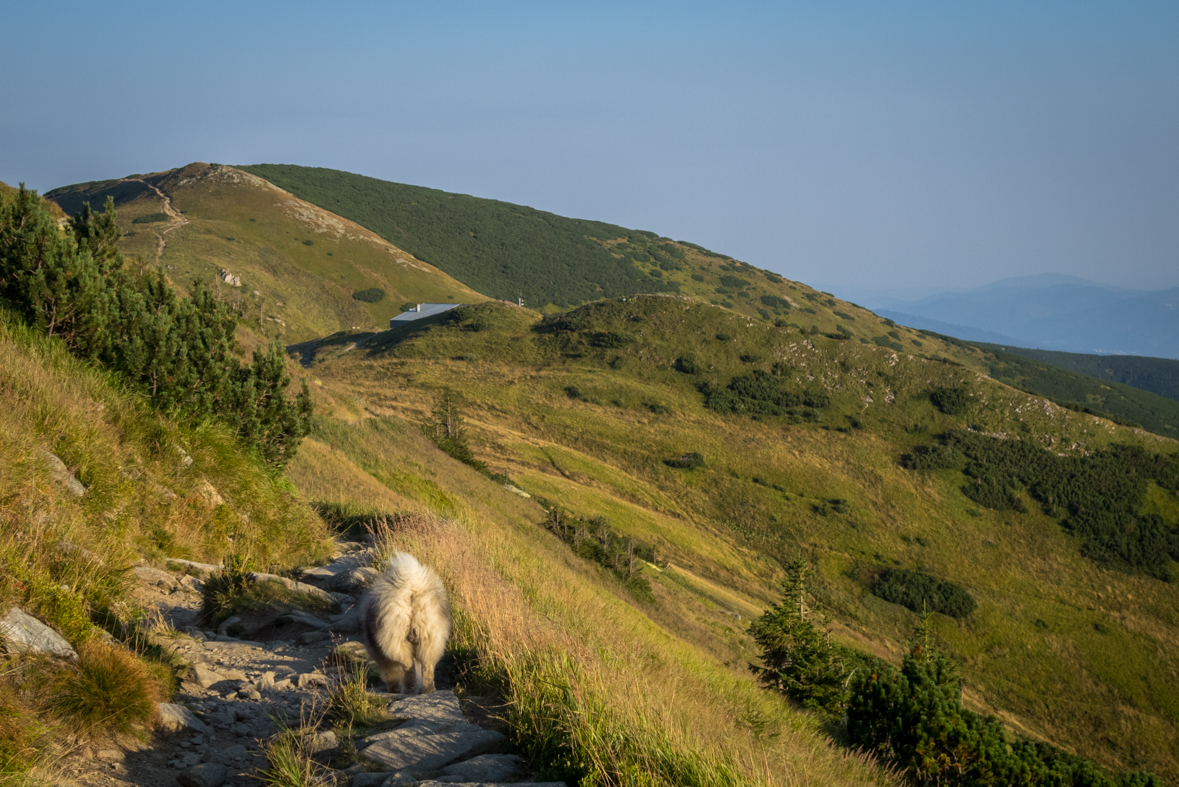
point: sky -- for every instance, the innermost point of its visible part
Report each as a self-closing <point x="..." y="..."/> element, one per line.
<point x="854" y="146"/>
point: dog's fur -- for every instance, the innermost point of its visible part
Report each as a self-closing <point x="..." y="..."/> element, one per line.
<point x="405" y="622"/>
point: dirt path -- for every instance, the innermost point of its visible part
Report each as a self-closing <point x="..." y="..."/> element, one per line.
<point x="242" y="692"/>
<point x="177" y="219"/>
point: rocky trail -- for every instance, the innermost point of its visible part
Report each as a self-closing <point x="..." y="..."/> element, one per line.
<point x="272" y="669"/>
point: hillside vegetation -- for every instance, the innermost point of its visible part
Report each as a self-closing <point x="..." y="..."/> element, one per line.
<point x="1156" y="375"/>
<point x="131" y="486"/>
<point x="639" y="472"/>
<point x="729" y="445"/>
<point x="297" y="267"/>
<point x="1077" y="390"/>
<point x="509" y="251"/>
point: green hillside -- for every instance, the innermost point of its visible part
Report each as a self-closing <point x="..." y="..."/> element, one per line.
<point x="1156" y="375"/>
<point x="301" y="272"/>
<point x="509" y="251"/>
<point x="1100" y="396"/>
<point x="801" y="444"/>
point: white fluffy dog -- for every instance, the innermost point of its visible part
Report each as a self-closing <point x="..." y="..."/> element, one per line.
<point x="405" y="622"/>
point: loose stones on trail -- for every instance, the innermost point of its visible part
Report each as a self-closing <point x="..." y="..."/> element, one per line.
<point x="237" y="694"/>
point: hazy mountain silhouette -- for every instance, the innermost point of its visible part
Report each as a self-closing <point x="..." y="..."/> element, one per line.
<point x="1053" y="312"/>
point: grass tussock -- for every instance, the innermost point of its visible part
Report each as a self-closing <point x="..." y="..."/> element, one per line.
<point x="350" y="704"/>
<point x="290" y="760"/>
<point x="109" y="690"/>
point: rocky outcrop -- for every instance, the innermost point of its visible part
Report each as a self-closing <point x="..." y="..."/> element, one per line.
<point x="22" y="633"/>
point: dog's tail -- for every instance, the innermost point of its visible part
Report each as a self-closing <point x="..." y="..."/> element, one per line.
<point x="387" y="614"/>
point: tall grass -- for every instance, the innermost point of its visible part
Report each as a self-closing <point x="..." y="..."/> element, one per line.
<point x="593" y="690"/>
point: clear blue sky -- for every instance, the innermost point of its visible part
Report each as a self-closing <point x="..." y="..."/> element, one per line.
<point x="845" y="144"/>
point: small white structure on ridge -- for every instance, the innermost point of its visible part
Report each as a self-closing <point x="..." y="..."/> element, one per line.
<point x="421" y="310"/>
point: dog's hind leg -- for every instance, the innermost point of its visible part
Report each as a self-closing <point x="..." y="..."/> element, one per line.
<point x="427" y="674"/>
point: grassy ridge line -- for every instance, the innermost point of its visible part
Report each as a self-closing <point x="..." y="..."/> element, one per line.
<point x="507" y="251"/>
<point x="1154" y="413"/>
<point x="1156" y="375"/>
<point x="767" y="487"/>
<point x="298" y="266"/>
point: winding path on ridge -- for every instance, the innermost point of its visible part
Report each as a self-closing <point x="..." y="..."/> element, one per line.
<point x="177" y="219"/>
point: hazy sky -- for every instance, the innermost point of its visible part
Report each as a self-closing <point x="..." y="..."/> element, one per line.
<point x="843" y="144"/>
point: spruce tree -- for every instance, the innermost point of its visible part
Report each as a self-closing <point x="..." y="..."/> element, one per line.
<point x="795" y="644"/>
<point x="447" y="430"/>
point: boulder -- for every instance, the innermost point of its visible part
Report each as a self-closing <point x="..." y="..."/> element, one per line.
<point x="440" y="707"/>
<point x="223" y="629"/>
<point x="421" y="747"/>
<point x="177" y="718"/>
<point x="204" y="568"/>
<point x="290" y="584"/>
<point x="309" y="679"/>
<point x="63" y="475"/>
<point x="353" y="580"/>
<point x="202" y="676"/>
<point x="23" y="633"/>
<point x="209" y="774"/>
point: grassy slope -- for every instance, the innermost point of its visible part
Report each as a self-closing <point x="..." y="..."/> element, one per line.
<point x="304" y="263"/>
<point x="554" y="621"/>
<point x="67" y="559"/>
<point x="1107" y="691"/>
<point x="7" y="192"/>
<point x="1156" y="375"/>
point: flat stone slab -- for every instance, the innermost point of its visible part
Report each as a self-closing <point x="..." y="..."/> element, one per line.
<point x="177" y="718"/>
<point x="420" y="747"/>
<point x="25" y="634"/>
<point x="486" y="768"/>
<point x="440" y="707"/>
<point x="290" y="584"/>
<point x="342" y="565"/>
<point x="207" y="568"/>
<point x="154" y="577"/>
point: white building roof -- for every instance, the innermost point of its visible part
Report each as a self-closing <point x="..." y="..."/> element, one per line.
<point x="423" y="310"/>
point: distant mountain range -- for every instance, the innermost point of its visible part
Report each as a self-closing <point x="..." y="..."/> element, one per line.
<point x="1049" y="312"/>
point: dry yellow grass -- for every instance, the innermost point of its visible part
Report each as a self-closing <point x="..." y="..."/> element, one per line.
<point x="610" y="682"/>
